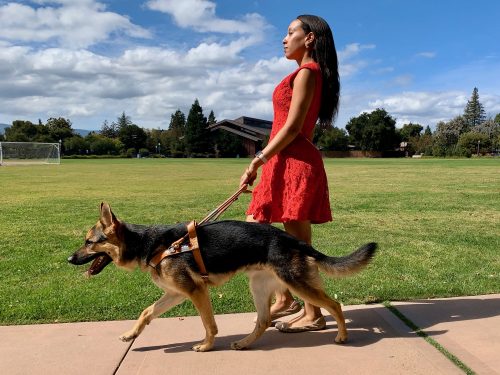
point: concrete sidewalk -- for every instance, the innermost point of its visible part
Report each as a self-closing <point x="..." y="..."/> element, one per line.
<point x="379" y="343"/>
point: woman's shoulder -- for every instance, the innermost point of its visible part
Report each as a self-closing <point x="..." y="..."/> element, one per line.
<point x="312" y="66"/>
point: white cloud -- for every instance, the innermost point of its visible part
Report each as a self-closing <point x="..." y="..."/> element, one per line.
<point x="349" y="61"/>
<point x="72" y="24"/>
<point x="200" y="16"/>
<point x="427" y="54"/>
<point x="426" y="108"/>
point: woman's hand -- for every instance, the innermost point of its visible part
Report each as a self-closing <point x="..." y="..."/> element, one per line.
<point x="250" y="175"/>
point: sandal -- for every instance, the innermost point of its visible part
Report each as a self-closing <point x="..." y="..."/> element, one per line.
<point x="318" y="325"/>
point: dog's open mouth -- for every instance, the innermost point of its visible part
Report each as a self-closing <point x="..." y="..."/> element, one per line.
<point x="98" y="264"/>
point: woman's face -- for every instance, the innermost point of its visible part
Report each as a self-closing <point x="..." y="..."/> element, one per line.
<point x="295" y="41"/>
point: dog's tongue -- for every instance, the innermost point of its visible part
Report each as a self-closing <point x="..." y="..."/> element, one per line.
<point x="97" y="265"/>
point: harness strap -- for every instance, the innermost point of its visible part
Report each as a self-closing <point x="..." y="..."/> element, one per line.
<point x="195" y="248"/>
<point x="178" y="247"/>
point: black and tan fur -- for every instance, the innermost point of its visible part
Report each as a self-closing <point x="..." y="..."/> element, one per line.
<point x="272" y="259"/>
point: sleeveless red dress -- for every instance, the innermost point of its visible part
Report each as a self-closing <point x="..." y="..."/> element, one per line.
<point x="293" y="184"/>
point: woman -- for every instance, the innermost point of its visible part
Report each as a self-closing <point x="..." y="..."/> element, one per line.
<point x="293" y="188"/>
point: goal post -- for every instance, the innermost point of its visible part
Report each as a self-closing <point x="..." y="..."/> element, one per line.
<point x="29" y="153"/>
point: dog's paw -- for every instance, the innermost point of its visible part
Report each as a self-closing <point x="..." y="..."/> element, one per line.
<point x="126" y="337"/>
<point x="237" y="345"/>
<point x="341" y="339"/>
<point x="202" y="347"/>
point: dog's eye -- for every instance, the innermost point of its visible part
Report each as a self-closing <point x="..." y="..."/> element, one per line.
<point x="88" y="243"/>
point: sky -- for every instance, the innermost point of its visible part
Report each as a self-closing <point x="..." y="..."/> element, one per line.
<point x="91" y="60"/>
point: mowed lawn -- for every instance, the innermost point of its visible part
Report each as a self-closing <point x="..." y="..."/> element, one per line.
<point x="437" y="223"/>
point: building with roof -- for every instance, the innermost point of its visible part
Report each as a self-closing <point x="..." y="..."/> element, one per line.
<point x="252" y="131"/>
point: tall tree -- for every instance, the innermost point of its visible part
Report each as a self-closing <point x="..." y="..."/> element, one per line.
<point x="122" y="121"/>
<point x="173" y="139"/>
<point x="474" y="113"/>
<point x="197" y="133"/>
<point x="211" y="118"/>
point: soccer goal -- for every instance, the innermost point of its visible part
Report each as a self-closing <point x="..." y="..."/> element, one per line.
<point x="29" y="153"/>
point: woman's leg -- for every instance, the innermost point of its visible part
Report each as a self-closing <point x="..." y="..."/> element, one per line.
<point x="283" y="299"/>
<point x="302" y="231"/>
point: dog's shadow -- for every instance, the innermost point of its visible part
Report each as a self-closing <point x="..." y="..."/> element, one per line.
<point x="365" y="326"/>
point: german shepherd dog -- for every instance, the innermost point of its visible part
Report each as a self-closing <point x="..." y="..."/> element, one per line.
<point x="273" y="260"/>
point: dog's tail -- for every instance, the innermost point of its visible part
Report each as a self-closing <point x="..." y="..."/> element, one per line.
<point x="349" y="264"/>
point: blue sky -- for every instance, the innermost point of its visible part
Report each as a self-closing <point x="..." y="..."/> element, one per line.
<point x="90" y="60"/>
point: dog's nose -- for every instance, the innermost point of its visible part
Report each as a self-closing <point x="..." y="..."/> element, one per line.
<point x="71" y="258"/>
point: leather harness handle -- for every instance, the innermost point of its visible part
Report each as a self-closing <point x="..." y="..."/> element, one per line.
<point x="195" y="248"/>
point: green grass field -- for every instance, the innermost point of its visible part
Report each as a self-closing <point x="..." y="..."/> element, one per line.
<point x="437" y="223"/>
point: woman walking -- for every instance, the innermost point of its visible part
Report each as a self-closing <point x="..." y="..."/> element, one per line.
<point x="293" y="188"/>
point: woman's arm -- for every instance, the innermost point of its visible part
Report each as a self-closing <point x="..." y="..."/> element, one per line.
<point x="303" y="92"/>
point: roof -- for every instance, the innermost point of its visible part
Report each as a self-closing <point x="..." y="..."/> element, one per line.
<point x="247" y="127"/>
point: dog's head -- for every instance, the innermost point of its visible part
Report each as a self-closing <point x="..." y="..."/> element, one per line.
<point x="102" y="244"/>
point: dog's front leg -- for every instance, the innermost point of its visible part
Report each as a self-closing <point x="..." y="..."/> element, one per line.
<point x="201" y="300"/>
<point x="166" y="302"/>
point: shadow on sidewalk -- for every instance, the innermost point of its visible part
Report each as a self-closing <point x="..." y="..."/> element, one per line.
<point x="365" y="326"/>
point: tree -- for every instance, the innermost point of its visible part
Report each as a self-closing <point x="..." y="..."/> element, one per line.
<point x="122" y="122"/>
<point x="474" y="113"/>
<point x="211" y="118"/>
<point x="197" y="134"/>
<point x="447" y="134"/>
<point x="154" y="141"/>
<point x="59" y="128"/>
<point x="334" y="139"/>
<point x="497" y="118"/>
<point x="132" y="137"/>
<point x="472" y="143"/>
<point x="21" y="131"/>
<point x="375" y="131"/>
<point x="75" y="145"/>
<point x="410" y="131"/>
<point x="173" y="139"/>
<point x="110" y="131"/>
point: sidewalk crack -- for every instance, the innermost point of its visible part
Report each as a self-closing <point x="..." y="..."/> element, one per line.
<point x="123" y="357"/>
<point x="429" y="339"/>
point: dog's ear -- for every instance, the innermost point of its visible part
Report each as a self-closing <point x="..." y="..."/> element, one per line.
<point x="107" y="218"/>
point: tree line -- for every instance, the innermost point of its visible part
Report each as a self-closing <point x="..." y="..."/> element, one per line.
<point x="185" y="137"/>
<point x="465" y="135"/>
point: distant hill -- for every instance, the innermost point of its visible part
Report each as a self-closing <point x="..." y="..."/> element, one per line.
<point x="2" y="128"/>
<point x="83" y="132"/>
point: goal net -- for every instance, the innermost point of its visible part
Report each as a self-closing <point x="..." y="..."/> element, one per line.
<point x="29" y="153"/>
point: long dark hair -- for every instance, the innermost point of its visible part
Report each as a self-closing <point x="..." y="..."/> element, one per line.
<point x="325" y="54"/>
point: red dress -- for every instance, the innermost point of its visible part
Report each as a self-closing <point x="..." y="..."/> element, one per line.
<point x="293" y="184"/>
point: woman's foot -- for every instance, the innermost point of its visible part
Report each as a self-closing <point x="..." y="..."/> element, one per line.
<point x="302" y="323"/>
<point x="279" y="310"/>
